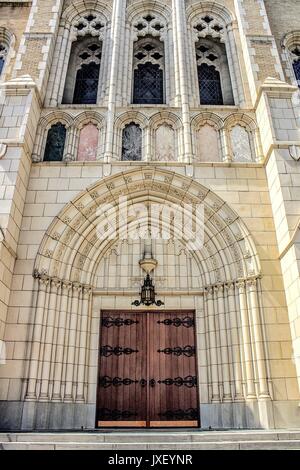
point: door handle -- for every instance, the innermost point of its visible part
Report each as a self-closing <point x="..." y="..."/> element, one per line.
<point x="152" y="382"/>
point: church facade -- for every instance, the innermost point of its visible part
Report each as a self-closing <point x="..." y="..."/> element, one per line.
<point x="149" y="214"/>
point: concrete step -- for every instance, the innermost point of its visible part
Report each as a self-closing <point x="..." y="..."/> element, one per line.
<point x="167" y="446"/>
<point x="151" y="440"/>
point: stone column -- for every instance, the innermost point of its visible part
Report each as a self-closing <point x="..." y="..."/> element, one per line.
<point x="180" y="30"/>
<point x="117" y="37"/>
<point x="258" y="339"/>
<point x="80" y="398"/>
<point x="31" y="394"/>
<point x="57" y="379"/>
<point x="47" y="356"/>
<point x="212" y="345"/>
<point x="219" y="290"/>
<point x="251" y="395"/>
<point x="68" y="396"/>
<point x="235" y="343"/>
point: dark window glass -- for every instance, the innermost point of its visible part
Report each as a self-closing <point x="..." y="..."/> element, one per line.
<point x="132" y="142"/>
<point x="1" y="64"/>
<point x="296" y="66"/>
<point x="86" y="87"/>
<point x="148" y="84"/>
<point x="55" y="145"/>
<point x="210" y="85"/>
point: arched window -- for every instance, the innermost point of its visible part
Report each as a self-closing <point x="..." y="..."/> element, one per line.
<point x="241" y="145"/>
<point x="55" y="144"/>
<point x="165" y="144"/>
<point x="132" y="142"/>
<point x="88" y="143"/>
<point x="3" y="55"/>
<point x="83" y="72"/>
<point x="207" y="144"/>
<point x="148" y="64"/>
<point x="214" y="79"/>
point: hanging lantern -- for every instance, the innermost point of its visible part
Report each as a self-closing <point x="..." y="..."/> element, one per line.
<point x="148" y="294"/>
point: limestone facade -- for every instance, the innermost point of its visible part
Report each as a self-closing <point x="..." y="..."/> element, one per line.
<point x="240" y="160"/>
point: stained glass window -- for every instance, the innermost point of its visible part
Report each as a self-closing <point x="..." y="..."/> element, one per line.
<point x="55" y="144"/>
<point x="148" y="84"/>
<point x="296" y="66"/>
<point x="209" y="85"/>
<point x="3" y="54"/>
<point x="86" y="87"/>
<point x="132" y="142"/>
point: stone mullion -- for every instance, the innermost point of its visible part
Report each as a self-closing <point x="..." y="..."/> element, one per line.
<point x="234" y="69"/>
<point x="170" y="54"/>
<point x="63" y="61"/>
<point x="225" y="144"/>
<point x="70" y="362"/>
<point x="48" y="344"/>
<point x="213" y="346"/>
<point x="258" y="339"/>
<point x="126" y="68"/>
<point x="251" y="395"/>
<point x="61" y="46"/>
<point x="179" y="7"/>
<point x="234" y="333"/>
<point x="80" y="395"/>
<point x="147" y="133"/>
<point x="31" y="394"/>
<point x="195" y="93"/>
<point x="177" y="98"/>
<point x="69" y="154"/>
<point x="61" y="342"/>
<point x="118" y="28"/>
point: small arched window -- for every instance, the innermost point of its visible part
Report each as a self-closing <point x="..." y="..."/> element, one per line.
<point x="148" y="60"/>
<point x="241" y="144"/>
<point x="55" y="145"/>
<point x="3" y="55"/>
<point x="165" y="143"/>
<point x="88" y="143"/>
<point x="207" y="144"/>
<point x="132" y="142"/>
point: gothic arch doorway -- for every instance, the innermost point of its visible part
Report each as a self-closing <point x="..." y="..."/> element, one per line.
<point x="78" y="274"/>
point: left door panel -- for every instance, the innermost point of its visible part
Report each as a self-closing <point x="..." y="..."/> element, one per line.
<point x="122" y="387"/>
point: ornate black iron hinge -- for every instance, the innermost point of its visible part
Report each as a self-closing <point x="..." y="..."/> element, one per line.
<point x="189" y="414"/>
<point x="115" y="415"/>
<point x="108" y="351"/>
<point x="187" y="322"/>
<point x="188" y="381"/>
<point x="108" y="322"/>
<point x="107" y="381"/>
<point x="187" y="351"/>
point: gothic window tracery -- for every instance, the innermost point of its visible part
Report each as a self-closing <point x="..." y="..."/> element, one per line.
<point x="3" y="55"/>
<point x="212" y="64"/>
<point x="55" y="144"/>
<point x="132" y="142"/>
<point x="213" y="73"/>
<point x="82" y="81"/>
<point x="148" y="64"/>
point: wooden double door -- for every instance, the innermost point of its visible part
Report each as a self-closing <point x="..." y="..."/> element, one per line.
<point x="147" y="370"/>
